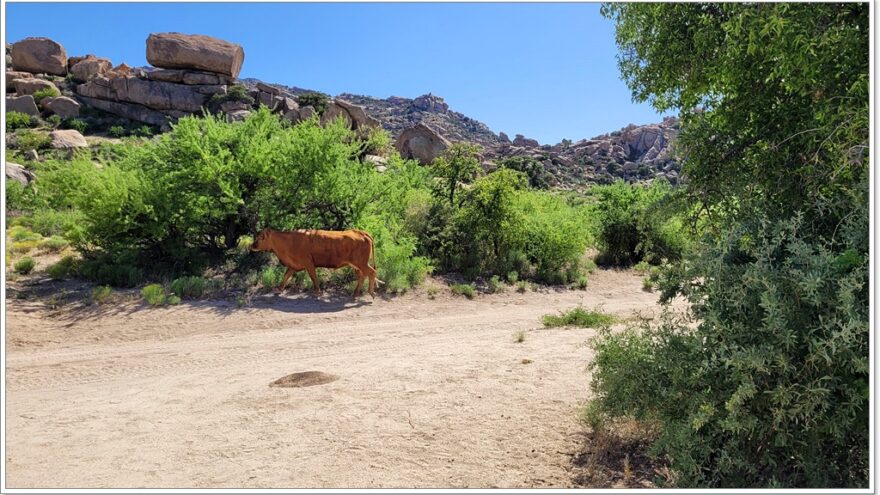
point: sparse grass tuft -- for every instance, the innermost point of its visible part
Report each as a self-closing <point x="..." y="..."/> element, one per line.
<point x="53" y="244"/>
<point x="495" y="285"/>
<point x="522" y="286"/>
<point x="189" y="287"/>
<point x="519" y="336"/>
<point x="579" y="317"/>
<point x="432" y="292"/>
<point x="154" y="294"/>
<point x="101" y="294"/>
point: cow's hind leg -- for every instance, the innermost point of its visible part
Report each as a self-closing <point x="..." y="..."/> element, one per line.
<point x="314" y="276"/>
<point x="287" y="275"/>
<point x="371" y="273"/>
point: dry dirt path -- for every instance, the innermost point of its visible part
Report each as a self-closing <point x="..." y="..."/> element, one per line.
<point x="431" y="393"/>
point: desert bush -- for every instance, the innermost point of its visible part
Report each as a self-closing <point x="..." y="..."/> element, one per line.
<point x="495" y="284"/>
<point x="466" y="290"/>
<point x="538" y="177"/>
<point x="633" y="225"/>
<point x="78" y="125"/>
<point x="54" y="120"/>
<point x="173" y="300"/>
<point x="154" y="294"/>
<point x="107" y="270"/>
<point x="117" y="131"/>
<point x="270" y="277"/>
<point x="579" y="317"/>
<point x="18" y="233"/>
<point x="17" y="120"/>
<point x="21" y="247"/>
<point x="318" y="101"/>
<point x="189" y="287"/>
<point x="24" y="265"/>
<point x="66" y="267"/>
<point x="522" y="286"/>
<point x="53" y="244"/>
<point x="101" y="294"/>
<point x="31" y="140"/>
<point x="51" y="92"/>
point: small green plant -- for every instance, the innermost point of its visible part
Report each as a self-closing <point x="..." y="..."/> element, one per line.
<point x="189" y="287"/>
<point x="512" y="276"/>
<point x="54" y="120"/>
<point x="25" y="265"/>
<point x="23" y="246"/>
<point x="236" y="92"/>
<point x="582" y="282"/>
<point x="78" y="125"/>
<point x="495" y="285"/>
<point x="647" y="284"/>
<point x="154" y="294"/>
<point x="17" y="120"/>
<point x="51" y="92"/>
<point x="579" y="317"/>
<point x="173" y="300"/>
<point x="116" y="131"/>
<point x="101" y="294"/>
<point x="23" y="234"/>
<point x="519" y="336"/>
<point x="466" y="290"/>
<point x="522" y="286"/>
<point x="641" y="268"/>
<point x="144" y="131"/>
<point x="64" y="268"/>
<point x="432" y="292"/>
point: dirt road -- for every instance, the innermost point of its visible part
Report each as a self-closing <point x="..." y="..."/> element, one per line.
<point x="430" y="393"/>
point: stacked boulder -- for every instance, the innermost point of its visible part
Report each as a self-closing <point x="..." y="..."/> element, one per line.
<point x="37" y="65"/>
<point x="282" y="101"/>
<point x="190" y="69"/>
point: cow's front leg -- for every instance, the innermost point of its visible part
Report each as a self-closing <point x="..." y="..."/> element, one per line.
<point x="287" y="275"/>
<point x="314" y="276"/>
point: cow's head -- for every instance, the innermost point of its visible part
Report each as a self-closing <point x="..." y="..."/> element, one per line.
<point x="261" y="242"/>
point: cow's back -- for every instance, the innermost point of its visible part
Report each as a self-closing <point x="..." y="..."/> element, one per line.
<point x="334" y="249"/>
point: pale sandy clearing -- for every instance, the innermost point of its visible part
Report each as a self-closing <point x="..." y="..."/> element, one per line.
<point x="430" y="393"/>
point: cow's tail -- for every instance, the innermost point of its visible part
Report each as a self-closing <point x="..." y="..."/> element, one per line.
<point x="373" y="254"/>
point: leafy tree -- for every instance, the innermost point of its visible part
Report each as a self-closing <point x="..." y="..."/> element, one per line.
<point x="318" y="101"/>
<point x="459" y="163"/>
<point x="539" y="178"/>
<point x="771" y="386"/>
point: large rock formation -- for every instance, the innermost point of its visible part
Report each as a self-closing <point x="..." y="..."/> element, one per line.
<point x="194" y="51"/>
<point x="30" y="86"/>
<point x="39" y="55"/>
<point x="67" y="139"/>
<point x="61" y="106"/>
<point x="421" y="143"/>
<point x="156" y="95"/>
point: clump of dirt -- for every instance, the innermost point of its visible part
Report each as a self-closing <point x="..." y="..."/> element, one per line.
<point x="304" y="379"/>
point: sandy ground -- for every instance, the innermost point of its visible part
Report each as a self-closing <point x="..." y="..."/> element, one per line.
<point x="430" y="393"/>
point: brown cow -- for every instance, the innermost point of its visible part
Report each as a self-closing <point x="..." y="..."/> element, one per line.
<point x="310" y="249"/>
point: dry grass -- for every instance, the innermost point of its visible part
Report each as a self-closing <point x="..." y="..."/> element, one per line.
<point x="614" y="455"/>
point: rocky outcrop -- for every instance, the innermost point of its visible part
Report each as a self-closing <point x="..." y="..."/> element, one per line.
<point x="156" y="95"/>
<point x="430" y="103"/>
<point x="12" y="75"/>
<point x="129" y="111"/>
<point x="88" y="67"/>
<point x="39" y="56"/>
<point x="30" y="86"/>
<point x="18" y="173"/>
<point x="521" y="140"/>
<point x="357" y="115"/>
<point x="61" y="106"/>
<point x="67" y="139"/>
<point x="23" y="104"/>
<point x="194" y="51"/>
<point x="421" y="143"/>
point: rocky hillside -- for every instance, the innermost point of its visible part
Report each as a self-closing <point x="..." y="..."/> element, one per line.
<point x="190" y="73"/>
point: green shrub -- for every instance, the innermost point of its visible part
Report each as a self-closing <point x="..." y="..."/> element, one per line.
<point x="105" y="270"/>
<point x="579" y="317"/>
<point x="20" y="198"/>
<point x="101" y="294"/>
<point x="25" y="265"/>
<point x="64" y="268"/>
<point x="582" y="282"/>
<point x="512" y="276"/>
<point x="495" y="285"/>
<point x="538" y="177"/>
<point x="41" y="94"/>
<point x="318" y="101"/>
<point x="144" y="131"/>
<point x="154" y="294"/>
<point x="235" y="92"/>
<point x="466" y="290"/>
<point x="173" y="300"/>
<point x="54" y="120"/>
<point x="522" y="286"/>
<point x="270" y="277"/>
<point x="31" y="140"/>
<point x="17" y="120"/>
<point x="78" y="125"/>
<point x="24" y="246"/>
<point x="23" y="234"/>
<point x="635" y="224"/>
<point x="117" y="131"/>
<point x="66" y="223"/>
<point x="189" y="287"/>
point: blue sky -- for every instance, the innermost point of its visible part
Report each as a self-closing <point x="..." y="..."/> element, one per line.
<point x="547" y="71"/>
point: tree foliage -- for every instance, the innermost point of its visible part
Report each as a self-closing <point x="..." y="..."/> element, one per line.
<point x="771" y="387"/>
